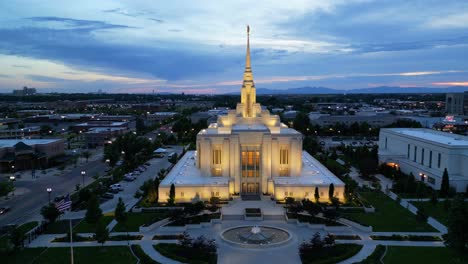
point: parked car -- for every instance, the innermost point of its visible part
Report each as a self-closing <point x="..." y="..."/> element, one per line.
<point x="4" y="210"/>
<point x="147" y="164"/>
<point x="129" y="178"/>
<point x="107" y="195"/>
<point x="117" y="186"/>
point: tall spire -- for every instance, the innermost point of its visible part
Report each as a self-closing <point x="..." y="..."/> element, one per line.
<point x="248" y="93"/>
<point x="247" y="57"/>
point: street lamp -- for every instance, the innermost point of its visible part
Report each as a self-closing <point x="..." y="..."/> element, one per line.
<point x="83" y="173"/>
<point x="49" y="190"/>
<point x="12" y="179"/>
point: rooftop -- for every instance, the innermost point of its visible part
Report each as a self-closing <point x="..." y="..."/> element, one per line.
<point x="185" y="172"/>
<point x="6" y="143"/>
<point x="313" y="173"/>
<point x="432" y="136"/>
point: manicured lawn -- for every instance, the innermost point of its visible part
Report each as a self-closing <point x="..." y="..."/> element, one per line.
<point x="88" y="255"/>
<point x="27" y="226"/>
<point x="422" y="255"/>
<point x="436" y="211"/>
<point x="389" y="216"/>
<point x="184" y="255"/>
<point x="135" y="220"/>
<point x="61" y="227"/>
<point x="329" y="255"/>
<point x="84" y="227"/>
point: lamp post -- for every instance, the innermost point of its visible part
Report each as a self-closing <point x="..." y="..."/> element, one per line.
<point x="12" y="179"/>
<point x="49" y="190"/>
<point x="83" y="173"/>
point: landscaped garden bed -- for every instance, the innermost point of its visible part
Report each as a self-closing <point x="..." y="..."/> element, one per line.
<point x="167" y="237"/>
<point x="78" y="238"/>
<point x="407" y="238"/>
<point x="195" y="219"/>
<point x="185" y="254"/>
<point x="347" y="237"/>
<point x="313" y="219"/>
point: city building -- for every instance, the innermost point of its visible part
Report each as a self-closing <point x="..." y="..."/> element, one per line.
<point x="158" y="117"/>
<point x="249" y="152"/>
<point x="83" y="127"/>
<point x="25" y="91"/>
<point x="375" y="119"/>
<point x="426" y="153"/>
<point x="98" y="136"/>
<point x="455" y="103"/>
<point x="28" y="153"/>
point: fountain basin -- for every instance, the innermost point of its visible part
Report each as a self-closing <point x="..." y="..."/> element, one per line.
<point x="256" y="236"/>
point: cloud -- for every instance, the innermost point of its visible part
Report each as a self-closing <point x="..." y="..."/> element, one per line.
<point x="457" y="20"/>
<point x="450" y="83"/>
<point x="71" y="23"/>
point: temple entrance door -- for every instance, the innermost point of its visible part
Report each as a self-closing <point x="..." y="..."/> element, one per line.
<point x="250" y="170"/>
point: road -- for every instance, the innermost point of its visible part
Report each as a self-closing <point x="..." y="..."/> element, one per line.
<point x="31" y="195"/>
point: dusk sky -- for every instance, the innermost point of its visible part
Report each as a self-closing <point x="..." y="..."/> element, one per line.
<point x="199" y="46"/>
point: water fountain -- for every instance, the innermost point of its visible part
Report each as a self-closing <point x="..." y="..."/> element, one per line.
<point x="256" y="235"/>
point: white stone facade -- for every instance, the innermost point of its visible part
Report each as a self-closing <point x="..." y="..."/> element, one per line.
<point x="249" y="152"/>
<point x="426" y="153"/>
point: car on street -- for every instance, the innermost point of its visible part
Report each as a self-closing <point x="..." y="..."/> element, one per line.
<point x="117" y="187"/>
<point x="4" y="210"/>
<point x="107" y="195"/>
<point x="129" y="178"/>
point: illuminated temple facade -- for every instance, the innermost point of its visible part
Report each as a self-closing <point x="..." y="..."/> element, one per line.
<point x="249" y="152"/>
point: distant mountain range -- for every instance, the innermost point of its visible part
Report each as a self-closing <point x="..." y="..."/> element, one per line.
<point x="373" y="90"/>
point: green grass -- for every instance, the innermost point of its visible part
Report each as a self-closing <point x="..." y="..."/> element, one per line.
<point x="61" y="227"/>
<point x="144" y="259"/>
<point x="423" y="255"/>
<point x="84" y="227"/>
<point x="329" y="255"/>
<point x="27" y="226"/>
<point x="184" y="255"/>
<point x="374" y="258"/>
<point x="88" y="255"/>
<point x="389" y="216"/>
<point x="135" y="220"/>
<point x="436" y="211"/>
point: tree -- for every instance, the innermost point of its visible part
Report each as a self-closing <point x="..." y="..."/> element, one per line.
<point x="120" y="214"/>
<point x="16" y="238"/>
<point x="171" y="199"/>
<point x="102" y="233"/>
<point x="331" y="191"/>
<point x="445" y="185"/>
<point x="5" y="188"/>
<point x="93" y="212"/>
<point x="50" y="213"/>
<point x="86" y="154"/>
<point x="316" y="194"/>
<point x="457" y="235"/>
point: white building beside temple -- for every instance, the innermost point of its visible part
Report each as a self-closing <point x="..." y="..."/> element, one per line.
<point x="249" y="152"/>
<point x="426" y="153"/>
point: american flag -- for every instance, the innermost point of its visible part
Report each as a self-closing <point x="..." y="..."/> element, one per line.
<point x="64" y="204"/>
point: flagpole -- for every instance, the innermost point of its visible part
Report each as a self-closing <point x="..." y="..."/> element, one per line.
<point x="71" y="242"/>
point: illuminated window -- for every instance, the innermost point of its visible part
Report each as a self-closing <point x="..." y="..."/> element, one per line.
<point x="284" y="156"/>
<point x="216" y="156"/>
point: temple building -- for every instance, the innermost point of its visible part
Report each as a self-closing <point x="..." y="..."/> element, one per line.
<point x="249" y="152"/>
